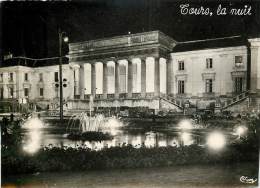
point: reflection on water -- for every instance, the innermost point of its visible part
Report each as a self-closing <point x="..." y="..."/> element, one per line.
<point x="33" y="138"/>
<point x="39" y="135"/>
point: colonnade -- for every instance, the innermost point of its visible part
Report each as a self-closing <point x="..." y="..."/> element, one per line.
<point x="123" y="78"/>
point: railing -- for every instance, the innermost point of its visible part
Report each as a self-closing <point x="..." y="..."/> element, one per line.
<point x="236" y="99"/>
<point x="209" y="94"/>
<point x="99" y="96"/>
<point x="173" y="101"/>
<point x="76" y="96"/>
<point x="119" y="41"/>
<point x="149" y="95"/>
<point x="122" y="95"/>
<point x="110" y="96"/>
<point x="87" y="97"/>
<point x="136" y="95"/>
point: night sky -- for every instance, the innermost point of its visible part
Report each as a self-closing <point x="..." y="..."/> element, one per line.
<point x="31" y="28"/>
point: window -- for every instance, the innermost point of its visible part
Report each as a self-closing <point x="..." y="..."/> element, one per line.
<point x="11" y="77"/>
<point x="26" y="92"/>
<point x="56" y="76"/>
<point x="11" y="92"/>
<point x="1" y="77"/>
<point x="238" y="61"/>
<point x="209" y="88"/>
<point x="41" y="92"/>
<point x="181" y="65"/>
<point x="181" y="86"/>
<point x="238" y="84"/>
<point x="40" y="77"/>
<point x="1" y="93"/>
<point x="209" y="63"/>
<point x="25" y="76"/>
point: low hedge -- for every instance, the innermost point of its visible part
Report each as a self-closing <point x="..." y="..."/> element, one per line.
<point x="81" y="159"/>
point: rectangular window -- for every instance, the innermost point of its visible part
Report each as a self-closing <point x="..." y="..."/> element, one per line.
<point x="26" y="92"/>
<point x="209" y="63"/>
<point x="41" y="92"/>
<point x="25" y="76"/>
<point x="238" y="61"/>
<point x="181" y="65"/>
<point x="238" y="84"/>
<point x="181" y="86"/>
<point x="11" y="92"/>
<point x="40" y="77"/>
<point x="11" y="77"/>
<point x="1" y="77"/>
<point x="56" y="76"/>
<point x="209" y="88"/>
<point x="1" y="93"/>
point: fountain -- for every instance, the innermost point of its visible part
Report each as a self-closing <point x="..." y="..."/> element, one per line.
<point x="90" y="128"/>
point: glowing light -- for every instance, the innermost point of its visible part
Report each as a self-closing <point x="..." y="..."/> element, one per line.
<point x="66" y="39"/>
<point x="150" y="140"/>
<point x="186" y="138"/>
<point x="185" y="124"/>
<point x="113" y="122"/>
<point x="137" y="141"/>
<point x="240" y="130"/>
<point x="216" y="140"/>
<point x="174" y="142"/>
<point x="33" y="123"/>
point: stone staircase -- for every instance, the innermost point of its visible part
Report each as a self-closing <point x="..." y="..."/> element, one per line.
<point x="172" y="101"/>
<point x="235" y="100"/>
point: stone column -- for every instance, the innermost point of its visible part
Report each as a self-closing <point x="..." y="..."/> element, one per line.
<point x="255" y="66"/>
<point x="81" y="81"/>
<point x="116" y="79"/>
<point x="93" y="79"/>
<point x="5" y="93"/>
<point x="14" y="91"/>
<point x="143" y="77"/>
<point x="156" y="77"/>
<point x="87" y="78"/>
<point x="170" y="78"/>
<point x="130" y="79"/>
<point x="76" y="80"/>
<point x="105" y="80"/>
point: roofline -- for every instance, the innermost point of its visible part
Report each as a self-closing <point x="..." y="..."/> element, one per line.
<point x="118" y="36"/>
<point x="211" y="39"/>
<point x="213" y="49"/>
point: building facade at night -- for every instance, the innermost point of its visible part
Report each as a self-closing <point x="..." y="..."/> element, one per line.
<point x="147" y="69"/>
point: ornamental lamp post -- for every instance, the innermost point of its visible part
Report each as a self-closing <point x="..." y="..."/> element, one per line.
<point x="62" y="38"/>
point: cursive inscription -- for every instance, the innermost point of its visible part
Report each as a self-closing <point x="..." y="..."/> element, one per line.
<point x="220" y="10"/>
<point x="245" y="179"/>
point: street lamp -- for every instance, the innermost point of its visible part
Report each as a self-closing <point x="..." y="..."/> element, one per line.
<point x="62" y="38"/>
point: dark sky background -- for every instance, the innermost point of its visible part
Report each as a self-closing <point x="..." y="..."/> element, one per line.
<point x="31" y="28"/>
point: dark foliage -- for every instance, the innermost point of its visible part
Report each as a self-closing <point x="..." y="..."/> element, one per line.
<point x="90" y="136"/>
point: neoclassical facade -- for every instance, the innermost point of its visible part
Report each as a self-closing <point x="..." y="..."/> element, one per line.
<point x="147" y="69"/>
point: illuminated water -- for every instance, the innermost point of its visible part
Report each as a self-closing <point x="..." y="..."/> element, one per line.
<point x="39" y="133"/>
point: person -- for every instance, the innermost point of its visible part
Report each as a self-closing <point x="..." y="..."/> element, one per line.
<point x="12" y="117"/>
<point x="4" y="125"/>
